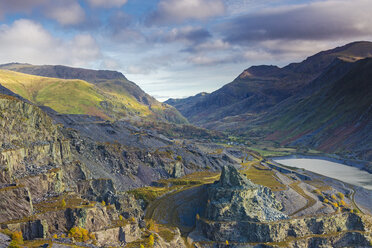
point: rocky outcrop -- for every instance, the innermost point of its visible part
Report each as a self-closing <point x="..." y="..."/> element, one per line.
<point x="15" y="203"/>
<point x="258" y="232"/>
<point x="118" y="235"/>
<point x="235" y="198"/>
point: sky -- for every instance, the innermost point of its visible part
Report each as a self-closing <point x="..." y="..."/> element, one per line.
<point x="177" y="48"/>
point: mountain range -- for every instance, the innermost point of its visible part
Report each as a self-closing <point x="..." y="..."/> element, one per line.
<point x="324" y="102"/>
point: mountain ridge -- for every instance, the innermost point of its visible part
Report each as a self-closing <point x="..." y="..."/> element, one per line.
<point x="118" y="97"/>
<point x="260" y="95"/>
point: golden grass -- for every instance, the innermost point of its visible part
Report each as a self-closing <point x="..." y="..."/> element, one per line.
<point x="262" y="175"/>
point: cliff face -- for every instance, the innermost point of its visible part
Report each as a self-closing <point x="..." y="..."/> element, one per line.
<point x="54" y="178"/>
<point x="236" y="198"/>
<point x="241" y="212"/>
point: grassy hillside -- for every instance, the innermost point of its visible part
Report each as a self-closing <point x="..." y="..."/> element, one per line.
<point x="74" y="96"/>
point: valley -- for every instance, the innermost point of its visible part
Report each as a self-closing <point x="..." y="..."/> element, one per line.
<point x="87" y="159"/>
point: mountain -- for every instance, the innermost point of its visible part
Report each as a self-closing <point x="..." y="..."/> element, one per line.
<point x="323" y="102"/>
<point x="108" y="94"/>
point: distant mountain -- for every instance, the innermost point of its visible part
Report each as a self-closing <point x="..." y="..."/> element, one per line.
<point x="108" y="94"/>
<point x="324" y="102"/>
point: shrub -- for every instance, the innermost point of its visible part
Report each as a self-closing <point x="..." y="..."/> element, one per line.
<point x="335" y="204"/>
<point x="355" y="211"/>
<point x="132" y="219"/>
<point x="151" y="240"/>
<point x="179" y="158"/>
<point x="197" y="216"/>
<point x="103" y="203"/>
<point x="340" y="195"/>
<point x="226" y="242"/>
<point x="142" y="246"/>
<point x="333" y="197"/>
<point x="150" y="225"/>
<point x="317" y="191"/>
<point x="120" y="217"/>
<point x="55" y="236"/>
<point x="342" y="203"/>
<point x="63" y="203"/>
<point x="81" y="234"/>
<point x="326" y="200"/>
<point x="17" y="237"/>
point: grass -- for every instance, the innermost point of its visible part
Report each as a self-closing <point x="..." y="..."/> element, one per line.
<point x="262" y="175"/>
<point x="150" y="193"/>
<point x="55" y="203"/>
<point x="70" y="96"/>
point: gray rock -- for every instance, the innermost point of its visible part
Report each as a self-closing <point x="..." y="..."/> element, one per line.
<point x="235" y="198"/>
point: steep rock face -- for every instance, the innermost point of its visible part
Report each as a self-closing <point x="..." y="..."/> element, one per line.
<point x="235" y="198"/>
<point x="15" y="203"/>
<point x="256" y="232"/>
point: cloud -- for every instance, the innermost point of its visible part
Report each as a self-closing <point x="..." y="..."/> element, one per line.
<point x="178" y="11"/>
<point x="27" y="41"/>
<point x="66" y="12"/>
<point x="7" y="6"/>
<point x="314" y="21"/>
<point x="107" y="3"/>
<point x="189" y="34"/>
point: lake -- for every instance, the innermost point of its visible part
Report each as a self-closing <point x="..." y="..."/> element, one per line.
<point x="344" y="173"/>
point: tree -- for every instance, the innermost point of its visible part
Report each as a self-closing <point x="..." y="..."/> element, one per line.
<point x="63" y="203"/>
<point x="103" y="203"/>
<point x="55" y="236"/>
<point x="142" y="246"/>
<point x="120" y="217"/>
<point x="197" y="216"/>
<point x="226" y="242"/>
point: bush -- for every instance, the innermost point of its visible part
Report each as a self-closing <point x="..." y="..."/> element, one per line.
<point x="17" y="237"/>
<point x="326" y="200"/>
<point x="340" y="195"/>
<point x="103" y="203"/>
<point x="179" y="158"/>
<point x="81" y="234"/>
<point x="333" y="197"/>
<point x="120" y="217"/>
<point x="317" y="191"/>
<point x="342" y="203"/>
<point x="197" y="216"/>
<point x="151" y="240"/>
<point x="55" y="236"/>
<point x="63" y="203"/>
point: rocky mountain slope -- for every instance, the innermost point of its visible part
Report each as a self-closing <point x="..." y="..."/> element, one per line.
<point x="302" y="104"/>
<point x="242" y="214"/>
<point x="107" y="94"/>
<point x="62" y="176"/>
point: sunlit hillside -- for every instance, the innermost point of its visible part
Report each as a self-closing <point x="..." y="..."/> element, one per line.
<point x="73" y="96"/>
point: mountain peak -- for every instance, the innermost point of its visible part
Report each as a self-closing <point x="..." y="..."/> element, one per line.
<point x="260" y="71"/>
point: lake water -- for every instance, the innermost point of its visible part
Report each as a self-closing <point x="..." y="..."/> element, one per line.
<point x="334" y="170"/>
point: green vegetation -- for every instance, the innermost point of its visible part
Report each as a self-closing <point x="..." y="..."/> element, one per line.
<point x="71" y="96"/>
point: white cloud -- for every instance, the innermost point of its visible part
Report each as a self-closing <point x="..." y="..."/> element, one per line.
<point x="66" y="12"/>
<point x="177" y="11"/>
<point x="107" y="3"/>
<point x="27" y="41"/>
